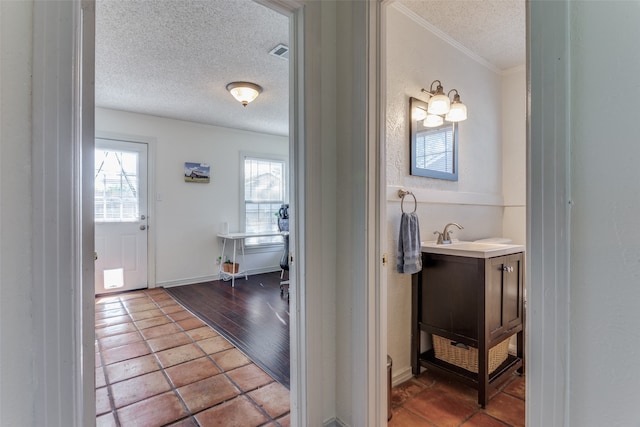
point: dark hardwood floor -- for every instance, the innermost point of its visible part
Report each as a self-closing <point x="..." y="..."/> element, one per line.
<point x="252" y="316"/>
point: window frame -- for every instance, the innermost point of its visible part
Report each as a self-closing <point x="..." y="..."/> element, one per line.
<point x="271" y="157"/>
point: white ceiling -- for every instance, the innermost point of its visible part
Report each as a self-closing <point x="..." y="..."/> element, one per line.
<point x="174" y="58"/>
<point x="492" y="29"/>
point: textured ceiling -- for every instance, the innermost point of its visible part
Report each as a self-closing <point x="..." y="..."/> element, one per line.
<point x="492" y="29"/>
<point x="174" y="58"/>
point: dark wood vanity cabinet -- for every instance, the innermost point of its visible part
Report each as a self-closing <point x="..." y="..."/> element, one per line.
<point x="477" y="302"/>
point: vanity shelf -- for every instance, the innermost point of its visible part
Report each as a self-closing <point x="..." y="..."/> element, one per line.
<point x="476" y="301"/>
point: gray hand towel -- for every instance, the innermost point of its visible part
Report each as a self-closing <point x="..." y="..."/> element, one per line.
<point x="409" y="252"/>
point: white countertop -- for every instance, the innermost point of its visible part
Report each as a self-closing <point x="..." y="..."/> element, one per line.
<point x="472" y="249"/>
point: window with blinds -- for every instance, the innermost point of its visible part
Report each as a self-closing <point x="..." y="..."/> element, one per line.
<point x="434" y="149"/>
<point x="116" y="186"/>
<point x="264" y="193"/>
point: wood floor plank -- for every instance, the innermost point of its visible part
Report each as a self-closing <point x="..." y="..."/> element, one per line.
<point x="252" y="316"/>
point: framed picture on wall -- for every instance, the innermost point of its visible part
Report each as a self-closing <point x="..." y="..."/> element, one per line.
<point x="197" y="172"/>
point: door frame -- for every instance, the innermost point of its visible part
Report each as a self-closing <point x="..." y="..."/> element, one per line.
<point x="151" y="144"/>
<point x="62" y="239"/>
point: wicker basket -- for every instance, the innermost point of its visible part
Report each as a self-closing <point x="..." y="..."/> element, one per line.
<point x="467" y="357"/>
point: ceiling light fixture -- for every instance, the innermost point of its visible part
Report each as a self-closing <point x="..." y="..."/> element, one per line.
<point x="244" y="92"/>
<point x="442" y="107"/>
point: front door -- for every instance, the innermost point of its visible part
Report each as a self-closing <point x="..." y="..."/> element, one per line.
<point x="120" y="213"/>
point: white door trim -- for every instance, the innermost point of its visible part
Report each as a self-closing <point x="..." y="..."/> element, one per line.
<point x="376" y="310"/>
<point x="62" y="257"/>
<point x="548" y="210"/>
<point x="306" y="382"/>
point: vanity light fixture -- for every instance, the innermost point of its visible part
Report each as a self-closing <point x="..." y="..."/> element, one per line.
<point x="244" y="92"/>
<point x="441" y="107"/>
<point x="433" y="121"/>
<point x="457" y="111"/>
<point x="439" y="102"/>
<point x="418" y="114"/>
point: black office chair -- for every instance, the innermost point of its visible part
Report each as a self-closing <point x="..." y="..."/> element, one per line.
<point x="283" y="227"/>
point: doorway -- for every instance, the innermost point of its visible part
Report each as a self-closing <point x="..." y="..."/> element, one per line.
<point x="485" y="161"/>
<point x="170" y="201"/>
<point x="551" y="351"/>
<point x="120" y="214"/>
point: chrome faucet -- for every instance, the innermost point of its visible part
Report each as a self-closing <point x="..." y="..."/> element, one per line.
<point x="444" y="238"/>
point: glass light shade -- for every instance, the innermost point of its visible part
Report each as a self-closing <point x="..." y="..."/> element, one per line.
<point x="433" y="121"/>
<point x="439" y="104"/>
<point x="419" y="114"/>
<point x="457" y="113"/>
<point x="244" y="92"/>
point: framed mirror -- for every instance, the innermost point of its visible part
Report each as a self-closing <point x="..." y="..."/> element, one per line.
<point x="434" y="150"/>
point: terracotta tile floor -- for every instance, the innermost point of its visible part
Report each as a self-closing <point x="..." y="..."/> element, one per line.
<point x="434" y="401"/>
<point x="157" y="364"/>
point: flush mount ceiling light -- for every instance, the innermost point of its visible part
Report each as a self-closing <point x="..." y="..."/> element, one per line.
<point x="442" y="107"/>
<point x="244" y="92"/>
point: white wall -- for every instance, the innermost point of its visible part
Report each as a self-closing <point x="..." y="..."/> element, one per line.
<point x="188" y="215"/>
<point x="605" y="229"/>
<point x="416" y="57"/>
<point x="17" y="383"/>
<point x="514" y="155"/>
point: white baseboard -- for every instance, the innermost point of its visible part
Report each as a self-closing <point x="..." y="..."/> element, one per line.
<point x="334" y="422"/>
<point x="189" y="281"/>
<point x="193" y="280"/>
<point x="401" y="376"/>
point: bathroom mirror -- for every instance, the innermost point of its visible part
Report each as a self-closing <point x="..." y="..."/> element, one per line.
<point x="434" y="150"/>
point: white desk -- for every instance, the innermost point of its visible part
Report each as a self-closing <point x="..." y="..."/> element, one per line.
<point x="238" y="243"/>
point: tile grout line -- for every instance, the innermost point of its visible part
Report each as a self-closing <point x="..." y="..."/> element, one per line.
<point x="224" y="371"/>
<point x="108" y="384"/>
<point x="174" y="389"/>
<point x="190" y="415"/>
<point x="162" y="368"/>
<point x="153" y="353"/>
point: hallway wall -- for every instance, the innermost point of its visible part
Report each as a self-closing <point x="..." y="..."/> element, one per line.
<point x="605" y="206"/>
<point x="17" y="345"/>
<point x="188" y="215"/>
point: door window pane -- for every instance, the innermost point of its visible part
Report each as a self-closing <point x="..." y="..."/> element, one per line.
<point x="116" y="186"/>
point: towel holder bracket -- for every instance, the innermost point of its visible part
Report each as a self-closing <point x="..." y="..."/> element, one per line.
<point x="402" y="193"/>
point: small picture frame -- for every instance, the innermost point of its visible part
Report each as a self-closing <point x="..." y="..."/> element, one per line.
<point x="197" y="172"/>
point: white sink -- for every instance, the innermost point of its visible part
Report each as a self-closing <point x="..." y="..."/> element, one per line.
<point x="472" y="249"/>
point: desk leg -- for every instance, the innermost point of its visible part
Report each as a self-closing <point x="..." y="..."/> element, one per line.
<point x="244" y="260"/>
<point x="233" y="275"/>
<point x="221" y="266"/>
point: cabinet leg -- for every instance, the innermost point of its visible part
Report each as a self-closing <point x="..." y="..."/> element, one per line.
<point x="520" y="351"/>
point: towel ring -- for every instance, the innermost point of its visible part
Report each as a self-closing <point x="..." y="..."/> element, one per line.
<point x="402" y="193"/>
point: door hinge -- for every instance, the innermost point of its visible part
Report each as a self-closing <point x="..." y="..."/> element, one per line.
<point x="95" y="256"/>
<point x="290" y="258"/>
<point x="384" y="260"/>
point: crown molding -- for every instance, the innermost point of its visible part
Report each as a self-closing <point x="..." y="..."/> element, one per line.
<point x="445" y="37"/>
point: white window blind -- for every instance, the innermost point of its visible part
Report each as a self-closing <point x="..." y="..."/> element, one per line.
<point x="116" y="186"/>
<point x="434" y="149"/>
<point x="264" y="190"/>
